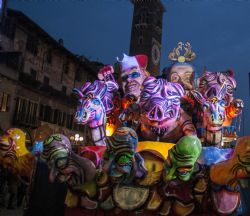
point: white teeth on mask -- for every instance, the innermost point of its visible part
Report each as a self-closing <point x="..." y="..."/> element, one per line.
<point x="158" y="131"/>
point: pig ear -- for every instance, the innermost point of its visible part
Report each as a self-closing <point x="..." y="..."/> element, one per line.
<point x="112" y="86"/>
<point x="151" y="85"/>
<point x="198" y="96"/>
<point x="85" y="87"/>
<point x="102" y="90"/>
<point x="179" y="88"/>
<point x="149" y="80"/>
<point x="230" y="73"/>
<point x="222" y="91"/>
<point x="77" y="92"/>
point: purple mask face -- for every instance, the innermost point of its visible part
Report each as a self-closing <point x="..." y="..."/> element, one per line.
<point x="213" y="109"/>
<point x="95" y="101"/>
<point x="211" y="83"/>
<point x="160" y="102"/>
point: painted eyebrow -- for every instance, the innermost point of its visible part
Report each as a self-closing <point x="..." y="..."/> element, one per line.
<point x="133" y="68"/>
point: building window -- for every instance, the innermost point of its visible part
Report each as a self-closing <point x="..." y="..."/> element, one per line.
<point x="64" y="116"/>
<point x="47" y="114"/>
<point x="32" y="45"/>
<point x="59" y="119"/>
<point x="66" y="67"/>
<point x="78" y="75"/>
<point x="33" y="73"/>
<point x="55" y="117"/>
<point x="41" y="112"/>
<point x="8" y="29"/>
<point x="26" y="112"/>
<point x="69" y="121"/>
<point x="46" y="80"/>
<point x="49" y="56"/>
<point x="4" y="101"/>
<point x="64" y="90"/>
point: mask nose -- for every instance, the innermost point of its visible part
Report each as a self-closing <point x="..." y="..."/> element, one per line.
<point x="216" y="118"/>
<point x="79" y="115"/>
<point x="156" y="113"/>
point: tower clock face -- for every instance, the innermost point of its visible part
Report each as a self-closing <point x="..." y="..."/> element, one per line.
<point x="156" y="54"/>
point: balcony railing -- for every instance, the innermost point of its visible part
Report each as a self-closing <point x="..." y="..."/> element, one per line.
<point x="23" y="119"/>
<point x="30" y="82"/>
<point x="11" y="59"/>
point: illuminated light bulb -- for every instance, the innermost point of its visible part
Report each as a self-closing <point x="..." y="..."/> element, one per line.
<point x="110" y="128"/>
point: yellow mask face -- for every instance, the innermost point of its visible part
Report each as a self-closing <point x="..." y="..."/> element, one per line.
<point x="18" y="137"/>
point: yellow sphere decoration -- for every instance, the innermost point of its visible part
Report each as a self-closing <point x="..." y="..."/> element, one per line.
<point x="181" y="59"/>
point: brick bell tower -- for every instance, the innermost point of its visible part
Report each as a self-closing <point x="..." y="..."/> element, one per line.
<point x="146" y="32"/>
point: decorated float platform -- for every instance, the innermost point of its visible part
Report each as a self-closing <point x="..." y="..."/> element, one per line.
<point x="165" y="146"/>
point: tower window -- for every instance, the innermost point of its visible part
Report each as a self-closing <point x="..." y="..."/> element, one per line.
<point x="143" y="17"/>
<point x="159" y="24"/>
<point x="140" y="40"/>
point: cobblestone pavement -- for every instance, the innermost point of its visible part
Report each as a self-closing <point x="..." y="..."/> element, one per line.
<point x="14" y="212"/>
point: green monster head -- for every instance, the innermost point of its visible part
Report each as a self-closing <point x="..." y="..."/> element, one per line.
<point x="120" y="151"/>
<point x="56" y="152"/>
<point x="181" y="159"/>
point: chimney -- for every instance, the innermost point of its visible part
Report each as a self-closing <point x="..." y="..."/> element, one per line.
<point x="3" y="10"/>
<point x="60" y="41"/>
<point x="81" y="58"/>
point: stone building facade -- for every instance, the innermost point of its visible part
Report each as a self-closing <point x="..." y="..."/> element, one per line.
<point x="37" y="75"/>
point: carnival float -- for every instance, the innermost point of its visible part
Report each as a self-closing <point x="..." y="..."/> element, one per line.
<point x="162" y="146"/>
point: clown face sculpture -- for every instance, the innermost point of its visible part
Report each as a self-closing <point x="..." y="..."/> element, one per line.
<point x="181" y="159"/>
<point x="133" y="73"/>
<point x="182" y="73"/>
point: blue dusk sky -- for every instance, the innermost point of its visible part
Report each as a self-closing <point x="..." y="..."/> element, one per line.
<point x="218" y="30"/>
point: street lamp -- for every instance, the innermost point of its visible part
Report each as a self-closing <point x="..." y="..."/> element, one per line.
<point x="76" y="138"/>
